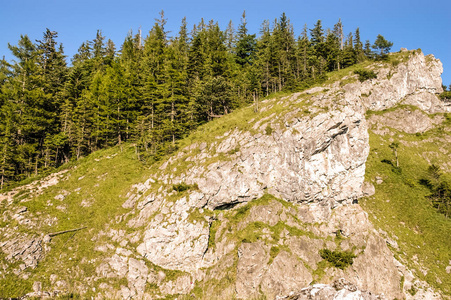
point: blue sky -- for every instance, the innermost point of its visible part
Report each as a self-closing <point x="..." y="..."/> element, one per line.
<point x="408" y="23"/>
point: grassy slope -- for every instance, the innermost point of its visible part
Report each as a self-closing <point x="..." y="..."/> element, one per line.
<point x="103" y="179"/>
<point x="401" y="207"/>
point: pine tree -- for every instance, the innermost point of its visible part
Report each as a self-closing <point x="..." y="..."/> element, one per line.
<point x="83" y="125"/>
<point x="303" y="53"/>
<point x="339" y="40"/>
<point x="99" y="51"/>
<point x="7" y="149"/>
<point x="367" y="50"/>
<point x="230" y="37"/>
<point x="283" y="40"/>
<point x="358" y="46"/>
<point x="317" y="34"/>
<point x="34" y="116"/>
<point x="265" y="53"/>
<point x="349" y="54"/>
<point x="246" y="44"/>
<point x="53" y="76"/>
<point x="318" y="60"/>
<point x="197" y="56"/>
<point x="382" y="44"/>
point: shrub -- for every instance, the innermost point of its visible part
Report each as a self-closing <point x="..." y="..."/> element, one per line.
<point x="268" y="130"/>
<point x="181" y="187"/>
<point x="445" y="96"/>
<point x="339" y="259"/>
<point x="365" y="75"/>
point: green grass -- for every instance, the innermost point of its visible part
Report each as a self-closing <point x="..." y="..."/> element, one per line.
<point x="401" y="206"/>
<point x="370" y="113"/>
<point x="103" y="178"/>
<point x="273" y="252"/>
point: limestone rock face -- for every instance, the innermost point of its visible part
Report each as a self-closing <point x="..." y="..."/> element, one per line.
<point x="407" y="120"/>
<point x="26" y="250"/>
<point x="252" y="260"/>
<point x="171" y="241"/>
<point x="284" y="274"/>
<point x="414" y="82"/>
<point x="339" y="290"/>
<point x="313" y="160"/>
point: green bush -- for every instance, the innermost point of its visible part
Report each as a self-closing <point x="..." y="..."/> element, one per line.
<point x="268" y="130"/>
<point x="339" y="259"/>
<point x="181" y="187"/>
<point x="445" y="96"/>
<point x="365" y="75"/>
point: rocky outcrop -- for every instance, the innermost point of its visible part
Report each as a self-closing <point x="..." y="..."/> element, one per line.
<point x="27" y="250"/>
<point x="310" y="161"/>
<point x="260" y="201"/>
<point x="407" y="120"/>
<point x="416" y="81"/>
<point x="313" y="159"/>
<point x="171" y="241"/>
<point x="285" y="272"/>
<point x="339" y="290"/>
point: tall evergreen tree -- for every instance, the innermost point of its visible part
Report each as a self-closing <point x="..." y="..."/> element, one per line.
<point x="246" y="44"/>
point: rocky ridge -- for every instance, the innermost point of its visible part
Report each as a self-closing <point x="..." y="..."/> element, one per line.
<point x="261" y="200"/>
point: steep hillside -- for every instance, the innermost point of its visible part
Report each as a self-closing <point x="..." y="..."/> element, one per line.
<point x="317" y="189"/>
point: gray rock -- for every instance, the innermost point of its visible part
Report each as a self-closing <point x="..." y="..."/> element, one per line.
<point x="25" y="249"/>
<point x="315" y="160"/>
<point x="171" y="241"/>
<point x="37" y="287"/>
<point x="368" y="189"/>
<point x="21" y="210"/>
<point x="326" y="161"/>
<point x="252" y="260"/>
<point x="407" y="120"/>
<point x="284" y="274"/>
<point x="341" y="289"/>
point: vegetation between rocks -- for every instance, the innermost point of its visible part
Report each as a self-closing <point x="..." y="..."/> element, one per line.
<point x="339" y="259"/>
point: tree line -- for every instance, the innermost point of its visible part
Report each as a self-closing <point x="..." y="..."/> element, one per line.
<point x="154" y="89"/>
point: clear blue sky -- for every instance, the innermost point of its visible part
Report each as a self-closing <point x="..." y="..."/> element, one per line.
<point x="408" y="23"/>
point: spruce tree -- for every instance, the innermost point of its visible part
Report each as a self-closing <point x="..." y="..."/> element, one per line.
<point x="246" y="44"/>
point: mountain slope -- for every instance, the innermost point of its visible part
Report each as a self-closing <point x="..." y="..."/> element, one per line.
<point x="249" y="204"/>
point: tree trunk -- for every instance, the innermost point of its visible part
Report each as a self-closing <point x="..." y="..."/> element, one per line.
<point x="152" y="116"/>
<point x="118" y="127"/>
<point x="56" y="156"/>
<point x="36" y="166"/>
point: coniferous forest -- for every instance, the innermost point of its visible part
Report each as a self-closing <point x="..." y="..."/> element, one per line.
<point x="152" y="90"/>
